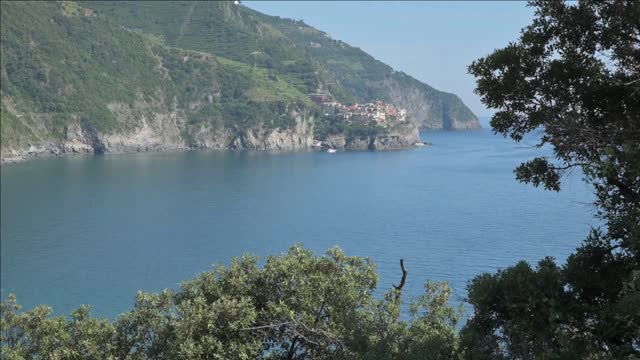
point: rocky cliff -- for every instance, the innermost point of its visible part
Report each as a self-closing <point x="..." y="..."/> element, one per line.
<point x="159" y="132"/>
<point x="428" y="108"/>
<point x="402" y="136"/>
<point x="167" y="131"/>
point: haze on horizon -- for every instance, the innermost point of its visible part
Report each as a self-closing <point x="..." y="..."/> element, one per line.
<point x="431" y="41"/>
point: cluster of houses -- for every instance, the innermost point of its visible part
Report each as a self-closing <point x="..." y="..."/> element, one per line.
<point x="379" y="111"/>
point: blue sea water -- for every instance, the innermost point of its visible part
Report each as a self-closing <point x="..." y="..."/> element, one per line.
<point x="95" y="229"/>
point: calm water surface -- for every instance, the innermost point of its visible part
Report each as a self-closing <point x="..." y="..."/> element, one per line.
<point x="94" y="230"/>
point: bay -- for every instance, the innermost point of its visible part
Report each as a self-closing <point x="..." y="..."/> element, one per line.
<point x="95" y="229"/>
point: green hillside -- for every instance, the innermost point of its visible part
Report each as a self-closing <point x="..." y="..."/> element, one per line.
<point x="133" y="76"/>
<point x="61" y="65"/>
<point x="308" y="58"/>
<point x="367" y="78"/>
<point x="223" y="29"/>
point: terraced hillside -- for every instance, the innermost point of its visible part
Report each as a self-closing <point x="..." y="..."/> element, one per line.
<point x="306" y="56"/>
<point x="227" y="30"/>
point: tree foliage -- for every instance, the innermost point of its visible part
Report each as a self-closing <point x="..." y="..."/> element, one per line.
<point x="573" y="77"/>
<point x="296" y="306"/>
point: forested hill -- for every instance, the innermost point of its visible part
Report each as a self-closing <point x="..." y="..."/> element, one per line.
<point x="309" y="57"/>
<point x="140" y="76"/>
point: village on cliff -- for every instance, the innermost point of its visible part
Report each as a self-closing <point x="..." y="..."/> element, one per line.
<point x="382" y="114"/>
<point x="378" y="111"/>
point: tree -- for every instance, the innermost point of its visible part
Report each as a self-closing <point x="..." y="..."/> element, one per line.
<point x="296" y="306"/>
<point x="34" y="334"/>
<point x="573" y="78"/>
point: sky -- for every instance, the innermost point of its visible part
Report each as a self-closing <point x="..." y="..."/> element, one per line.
<point x="432" y="41"/>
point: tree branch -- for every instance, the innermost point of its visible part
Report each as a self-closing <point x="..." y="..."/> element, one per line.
<point x="266" y="326"/>
<point x="402" y="280"/>
<point x="292" y="349"/>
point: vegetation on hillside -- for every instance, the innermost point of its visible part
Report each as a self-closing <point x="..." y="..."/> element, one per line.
<point x="331" y="123"/>
<point x="61" y="66"/>
<point x="223" y="29"/>
<point x="284" y="47"/>
<point x="367" y="78"/>
<point x="113" y="66"/>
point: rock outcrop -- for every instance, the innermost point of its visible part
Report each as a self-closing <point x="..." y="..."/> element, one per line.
<point x="402" y="136"/>
<point x="299" y="137"/>
<point x="164" y="134"/>
<point x="429" y="108"/>
<point x="167" y="131"/>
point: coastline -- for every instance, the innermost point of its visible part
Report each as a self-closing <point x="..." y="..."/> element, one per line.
<point x="48" y="155"/>
<point x="299" y="138"/>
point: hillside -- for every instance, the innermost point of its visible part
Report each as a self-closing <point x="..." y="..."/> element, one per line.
<point x="144" y="76"/>
<point x="367" y="78"/>
<point x="76" y="82"/>
<point x="226" y="30"/>
<point x="308" y="57"/>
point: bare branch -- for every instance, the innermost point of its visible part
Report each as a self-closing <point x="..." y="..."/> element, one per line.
<point x="404" y="278"/>
<point x="266" y="326"/>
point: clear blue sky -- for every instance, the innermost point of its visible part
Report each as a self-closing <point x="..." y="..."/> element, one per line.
<point x="432" y="41"/>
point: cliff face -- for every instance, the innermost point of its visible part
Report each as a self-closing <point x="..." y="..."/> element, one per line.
<point x="159" y="132"/>
<point x="298" y="137"/>
<point x="167" y="131"/>
<point x="444" y="111"/>
<point x="402" y="136"/>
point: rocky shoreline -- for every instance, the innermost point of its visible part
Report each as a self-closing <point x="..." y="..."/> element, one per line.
<point x="397" y="140"/>
<point x="298" y="138"/>
<point x="41" y="153"/>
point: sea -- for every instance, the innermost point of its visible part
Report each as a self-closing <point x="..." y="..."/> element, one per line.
<point x="96" y="229"/>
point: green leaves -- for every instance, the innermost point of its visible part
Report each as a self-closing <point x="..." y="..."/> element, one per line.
<point x="574" y="74"/>
<point x="34" y="334"/>
<point x="515" y="310"/>
<point x="296" y="306"/>
<point x="539" y="172"/>
<point x="565" y="75"/>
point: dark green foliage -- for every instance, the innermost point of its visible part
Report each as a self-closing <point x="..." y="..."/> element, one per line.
<point x="585" y="309"/>
<point x="573" y="74"/>
<point x="576" y="79"/>
<point x="326" y="124"/>
<point x="519" y="314"/>
<point x="296" y="306"/>
<point x="363" y="129"/>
